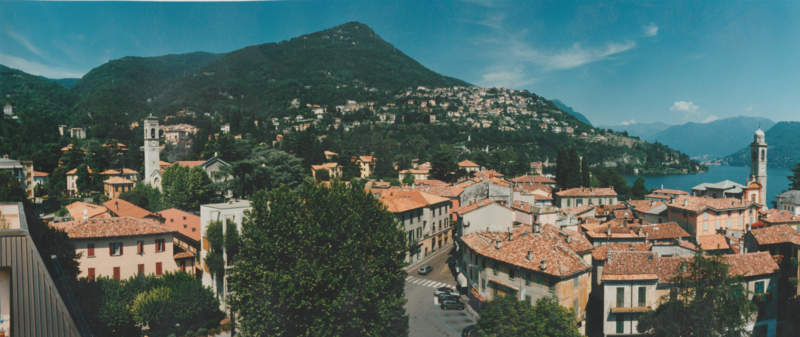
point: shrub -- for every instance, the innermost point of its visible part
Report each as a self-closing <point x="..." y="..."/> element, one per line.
<point x="190" y="333"/>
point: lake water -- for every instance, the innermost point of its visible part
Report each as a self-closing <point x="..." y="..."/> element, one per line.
<point x="776" y="179"/>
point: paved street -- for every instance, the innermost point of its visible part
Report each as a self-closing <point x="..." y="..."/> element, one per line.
<point x="426" y="318"/>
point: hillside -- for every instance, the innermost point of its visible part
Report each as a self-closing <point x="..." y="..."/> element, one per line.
<point x="782" y="151"/>
<point x="66" y="82"/>
<point x="641" y="130"/>
<point x="309" y="67"/>
<point x="566" y="108"/>
<point x="713" y="139"/>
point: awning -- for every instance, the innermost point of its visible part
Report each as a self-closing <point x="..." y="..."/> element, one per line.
<point x="462" y="280"/>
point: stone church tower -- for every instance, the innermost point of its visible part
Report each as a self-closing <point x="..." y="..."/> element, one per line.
<point x="152" y="149"/>
<point x="758" y="163"/>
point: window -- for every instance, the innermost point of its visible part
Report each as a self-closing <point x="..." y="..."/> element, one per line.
<point x="412" y="218"/>
<point x="419" y="232"/>
<point x="116" y="188"/>
<point x="410" y="236"/>
<point x="620" y="297"/>
<point x="539" y="280"/>
<point x="512" y="273"/>
<point x="575" y="306"/>
<point x="90" y="250"/>
<point x="759" y="287"/>
<point x="115" y="248"/>
<point x="139" y="247"/>
<point x="116" y="273"/>
<point x="575" y="284"/>
<point x="419" y="214"/>
<point x="552" y="282"/>
<point x="141" y="269"/>
<point x="160" y="245"/>
<point x="705" y="215"/>
<point x="729" y="223"/>
<point x="716" y="226"/>
<point x="528" y="278"/>
<point x="568" y="203"/>
<point x="620" y="323"/>
<point x="642" y="297"/>
<point x="673" y="294"/>
<point x="494" y="267"/>
<point x="483" y="284"/>
<point x="528" y="299"/>
<point x="90" y="274"/>
<point x="158" y="268"/>
<point x="705" y="225"/>
<point x="483" y="263"/>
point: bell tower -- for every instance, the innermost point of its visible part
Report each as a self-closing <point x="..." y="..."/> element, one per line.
<point x="152" y="149"/>
<point x="758" y="162"/>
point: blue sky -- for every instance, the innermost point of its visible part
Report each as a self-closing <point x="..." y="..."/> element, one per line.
<point x="615" y="62"/>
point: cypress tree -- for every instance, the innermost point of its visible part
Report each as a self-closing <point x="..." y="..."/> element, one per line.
<point x="587" y="182"/>
<point x="561" y="177"/>
<point x="574" y="168"/>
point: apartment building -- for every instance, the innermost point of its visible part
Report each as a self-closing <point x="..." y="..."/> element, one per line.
<point x="424" y="217"/>
<point x="705" y="216"/>
<point x="580" y="196"/>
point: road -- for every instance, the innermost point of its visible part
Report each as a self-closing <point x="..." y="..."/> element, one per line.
<point x="426" y="318"/>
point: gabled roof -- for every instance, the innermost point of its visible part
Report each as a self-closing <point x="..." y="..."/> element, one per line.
<point x="401" y="201"/>
<point x="751" y="264"/>
<point x="109" y="172"/>
<point x="669" y="230"/>
<point x="75" y="171"/>
<point x="118" y="180"/>
<point x="489" y="174"/>
<point x="601" y="252"/>
<point x="588" y="192"/>
<point x="112" y="227"/>
<point x="191" y="163"/>
<point x="676" y="192"/>
<point x="792" y="197"/>
<point x="628" y="265"/>
<point x="92" y="211"/>
<point x="722" y="185"/>
<point x="698" y="204"/>
<point x="775" y="235"/>
<point x="774" y="216"/>
<point x="467" y="163"/>
<point x="657" y="196"/>
<point x="186" y="223"/>
<point x="40" y="174"/>
<point x="560" y="255"/>
<point x="124" y="208"/>
<point x="533" y="179"/>
<point x="713" y="242"/>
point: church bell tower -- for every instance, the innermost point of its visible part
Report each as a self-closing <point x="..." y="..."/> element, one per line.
<point x="152" y="149"/>
<point x="758" y="162"/>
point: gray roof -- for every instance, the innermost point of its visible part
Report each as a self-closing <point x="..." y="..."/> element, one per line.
<point x="10" y="164"/>
<point x="792" y="197"/>
<point x="722" y="185"/>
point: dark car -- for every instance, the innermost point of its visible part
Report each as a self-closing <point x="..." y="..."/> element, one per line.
<point x="448" y="297"/>
<point x="445" y="290"/>
<point x="469" y="331"/>
<point x="450" y="304"/>
<point x="425" y="269"/>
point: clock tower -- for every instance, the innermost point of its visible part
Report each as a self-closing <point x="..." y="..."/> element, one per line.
<point x="758" y="163"/>
<point x="152" y="149"/>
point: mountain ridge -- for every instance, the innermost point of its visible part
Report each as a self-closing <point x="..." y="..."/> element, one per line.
<point x="566" y="108"/>
<point x="711" y="140"/>
<point x="782" y="147"/>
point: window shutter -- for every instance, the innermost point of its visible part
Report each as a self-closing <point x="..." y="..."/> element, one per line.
<point x="111" y="249"/>
<point x="158" y="268"/>
<point x="205" y="243"/>
<point x="141" y="269"/>
<point x="120" y="248"/>
<point x="91" y="249"/>
<point x="116" y="273"/>
<point x="90" y="275"/>
<point x="139" y="247"/>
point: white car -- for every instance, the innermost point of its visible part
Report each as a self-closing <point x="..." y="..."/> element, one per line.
<point x="445" y="290"/>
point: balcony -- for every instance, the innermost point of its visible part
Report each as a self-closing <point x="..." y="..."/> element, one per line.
<point x="616" y="310"/>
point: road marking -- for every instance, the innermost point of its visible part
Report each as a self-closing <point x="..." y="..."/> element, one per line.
<point x="428" y="283"/>
<point x="408" y="278"/>
<point x="418" y="281"/>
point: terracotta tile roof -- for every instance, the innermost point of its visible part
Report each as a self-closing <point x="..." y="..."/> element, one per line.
<point x="623" y="214"/>
<point x="533" y="179"/>
<point x="577" y="210"/>
<point x="776" y="234"/>
<point x="698" y="204"/>
<point x="529" y="208"/>
<point x="467" y="163"/>
<point x="774" y="216"/>
<point x="713" y="242"/>
<point x="665" y="191"/>
<point x="752" y="264"/>
<point x="117" y="180"/>
<point x="550" y="245"/>
<point x="500" y="182"/>
<point x="329" y="153"/>
<point x="366" y="159"/>
<point x="429" y="182"/>
<point x="669" y="230"/>
<point x="400" y="201"/>
<point x="326" y="166"/>
<point x="682" y="243"/>
<point x="75" y="210"/>
<point x="618" y="228"/>
<point x="543" y="198"/>
<point x="628" y="265"/>
<point x="668" y="266"/>
<point x="443" y="191"/>
<point x="530" y="187"/>
<point x="109" y="172"/>
<point x="129" y="171"/>
<point x="186" y="223"/>
<point x="378" y="183"/>
<point x="40" y="174"/>
<point x="588" y="192"/>
<point x="183" y="255"/>
<point x="399" y="205"/>
<point x="113" y="227"/>
<point x="489" y="174"/>
<point x="413" y="171"/>
<point x="464" y="209"/>
<point x="190" y="163"/>
<point x="75" y="171"/>
<point x="601" y="252"/>
<point x="162" y="163"/>
<point x="657" y="196"/>
<point x="123" y="208"/>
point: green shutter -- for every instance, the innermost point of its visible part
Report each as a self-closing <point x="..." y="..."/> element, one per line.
<point x="620" y="323"/>
<point x="642" y="297"/>
<point x="620" y="297"/>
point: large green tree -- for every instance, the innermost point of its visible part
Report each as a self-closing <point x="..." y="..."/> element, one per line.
<point x="574" y="166"/>
<point x="508" y="316"/>
<point x="709" y="301"/>
<point x="320" y="261"/>
<point x="794" y="179"/>
<point x="264" y="168"/>
<point x="185" y="188"/>
<point x="444" y="162"/>
<point x="586" y="181"/>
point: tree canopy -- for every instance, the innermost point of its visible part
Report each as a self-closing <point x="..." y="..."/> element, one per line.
<point x="508" y="316"/>
<point x="320" y="261"/>
<point x="185" y="188"/>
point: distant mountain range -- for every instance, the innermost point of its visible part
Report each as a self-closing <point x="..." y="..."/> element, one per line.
<point x="783" y="149"/>
<point x="566" y="108"/>
<point x="66" y="82"/>
<point x="641" y="130"/>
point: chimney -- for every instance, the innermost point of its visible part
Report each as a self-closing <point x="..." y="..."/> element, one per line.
<point x="569" y="238"/>
<point x="543" y="266"/>
<point x="608" y="232"/>
<point x="497" y="244"/>
<point x="741" y="245"/>
<point x="5" y="156"/>
<point x="530" y="255"/>
<point x="510" y="235"/>
<point x="685" y="202"/>
<point x="645" y="236"/>
<point x="652" y="202"/>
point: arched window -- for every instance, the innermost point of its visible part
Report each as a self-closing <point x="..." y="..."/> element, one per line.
<point x="152" y="133"/>
<point x="763" y="154"/>
<point x="753" y="197"/>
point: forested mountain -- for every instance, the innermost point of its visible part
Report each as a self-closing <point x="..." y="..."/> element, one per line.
<point x="363" y="96"/>
<point x="66" y="82"/>
<point x="782" y="151"/>
<point x="713" y="139"/>
<point x="641" y="130"/>
<point x="566" y="108"/>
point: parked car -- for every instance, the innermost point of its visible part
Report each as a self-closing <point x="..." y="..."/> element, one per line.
<point x="450" y="304"/>
<point x="425" y="269"/>
<point x="469" y="331"/>
<point x="445" y="290"/>
<point x="448" y="297"/>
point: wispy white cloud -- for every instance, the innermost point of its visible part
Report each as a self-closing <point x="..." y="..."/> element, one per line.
<point x="650" y="30"/>
<point x="750" y="108"/>
<point x="689" y="108"/>
<point x="508" y="79"/>
<point x="632" y="121"/>
<point x="577" y="55"/>
<point x="37" y="68"/>
<point x="710" y="119"/>
<point x="25" y="43"/>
